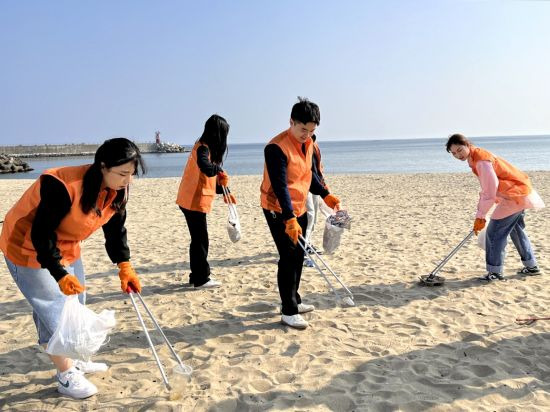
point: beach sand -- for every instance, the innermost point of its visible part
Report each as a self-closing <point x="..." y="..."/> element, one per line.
<point x="402" y="347"/>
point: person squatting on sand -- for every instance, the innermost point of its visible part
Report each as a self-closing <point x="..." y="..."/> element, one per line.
<point x="511" y="189"/>
<point x="202" y="179"/>
<point x="287" y="179"/>
<point x="313" y="201"/>
<point x="41" y="239"/>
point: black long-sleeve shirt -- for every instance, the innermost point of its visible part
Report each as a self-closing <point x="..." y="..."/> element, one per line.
<point x="55" y="204"/>
<point x="207" y="167"/>
<point x="276" y="163"/>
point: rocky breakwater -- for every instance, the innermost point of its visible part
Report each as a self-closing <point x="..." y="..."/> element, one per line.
<point x="165" y="147"/>
<point x="9" y="164"/>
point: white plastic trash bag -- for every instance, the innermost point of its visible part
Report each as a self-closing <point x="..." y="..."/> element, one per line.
<point x="334" y="227"/>
<point x="482" y="238"/>
<point x="80" y="332"/>
<point x="233" y="224"/>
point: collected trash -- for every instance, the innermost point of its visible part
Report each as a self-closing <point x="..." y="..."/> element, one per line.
<point x="334" y="227"/>
<point x="80" y="332"/>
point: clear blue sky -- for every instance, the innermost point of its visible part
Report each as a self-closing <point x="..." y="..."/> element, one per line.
<point x="84" y="71"/>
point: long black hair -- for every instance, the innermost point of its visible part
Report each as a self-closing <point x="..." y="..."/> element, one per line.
<point x="214" y="136"/>
<point x="113" y="152"/>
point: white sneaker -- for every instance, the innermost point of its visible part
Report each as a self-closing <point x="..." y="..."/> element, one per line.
<point x="90" y="367"/>
<point x="212" y="283"/>
<point x="303" y="308"/>
<point x="294" y="321"/>
<point x="73" y="383"/>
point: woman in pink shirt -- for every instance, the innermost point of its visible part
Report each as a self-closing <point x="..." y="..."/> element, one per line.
<point x="511" y="189"/>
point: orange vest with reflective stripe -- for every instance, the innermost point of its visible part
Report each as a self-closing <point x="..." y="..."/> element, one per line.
<point x="15" y="240"/>
<point x="512" y="182"/>
<point x="298" y="174"/>
<point x="196" y="191"/>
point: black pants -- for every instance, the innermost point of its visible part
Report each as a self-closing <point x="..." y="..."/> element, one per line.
<point x="291" y="261"/>
<point x="198" y="249"/>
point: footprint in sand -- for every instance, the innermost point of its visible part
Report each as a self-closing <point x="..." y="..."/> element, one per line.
<point x="481" y="371"/>
<point x="284" y="377"/>
<point x="261" y="385"/>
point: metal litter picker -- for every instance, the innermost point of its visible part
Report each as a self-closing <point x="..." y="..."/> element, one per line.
<point x="347" y="300"/>
<point x="180" y="368"/>
<point x="432" y="279"/>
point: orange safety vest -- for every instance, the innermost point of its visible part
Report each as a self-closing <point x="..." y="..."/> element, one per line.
<point x="15" y="240"/>
<point x="298" y="174"/>
<point x="196" y="191"/>
<point x="512" y="182"/>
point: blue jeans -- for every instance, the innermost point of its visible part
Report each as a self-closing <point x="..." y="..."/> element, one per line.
<point x="497" y="237"/>
<point x="42" y="292"/>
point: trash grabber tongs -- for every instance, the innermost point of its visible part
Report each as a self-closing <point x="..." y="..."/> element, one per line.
<point x="183" y="367"/>
<point x="434" y="280"/>
<point x="307" y="247"/>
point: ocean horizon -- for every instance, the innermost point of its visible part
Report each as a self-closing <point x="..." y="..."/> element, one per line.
<point x="392" y="156"/>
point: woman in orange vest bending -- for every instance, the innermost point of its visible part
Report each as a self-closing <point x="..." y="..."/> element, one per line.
<point x="287" y="180"/>
<point x="511" y="189"/>
<point x="202" y="179"/>
<point x="41" y="239"/>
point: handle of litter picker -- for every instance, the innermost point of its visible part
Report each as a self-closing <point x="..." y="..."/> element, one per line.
<point x="306" y="244"/>
<point x="450" y="255"/>
<point x="164" y="377"/>
<point x="157" y="326"/>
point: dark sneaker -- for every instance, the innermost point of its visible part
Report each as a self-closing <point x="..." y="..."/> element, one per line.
<point x="489" y="277"/>
<point x="312" y="250"/>
<point x="529" y="271"/>
<point x="309" y="263"/>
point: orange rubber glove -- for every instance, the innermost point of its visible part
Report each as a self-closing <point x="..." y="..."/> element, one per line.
<point x="70" y="285"/>
<point x="231" y="199"/>
<point x="293" y="229"/>
<point x="128" y="277"/>
<point x="223" y="179"/>
<point x="479" y="224"/>
<point x="332" y="201"/>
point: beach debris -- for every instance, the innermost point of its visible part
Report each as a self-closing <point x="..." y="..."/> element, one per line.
<point x="432" y="279"/>
<point x="308" y="249"/>
<point x="529" y="321"/>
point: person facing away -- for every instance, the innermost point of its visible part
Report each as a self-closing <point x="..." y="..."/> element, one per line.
<point x="313" y="202"/>
<point x="41" y="239"/>
<point x="203" y="178"/>
<point x="512" y="191"/>
<point x="287" y="179"/>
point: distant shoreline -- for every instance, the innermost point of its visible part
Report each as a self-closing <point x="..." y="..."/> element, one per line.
<point x="65" y="150"/>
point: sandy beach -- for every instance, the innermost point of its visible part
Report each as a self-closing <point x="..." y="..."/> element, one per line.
<point x="403" y="347"/>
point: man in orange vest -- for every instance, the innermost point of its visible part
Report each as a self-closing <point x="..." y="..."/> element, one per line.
<point x="511" y="189"/>
<point x="287" y="180"/>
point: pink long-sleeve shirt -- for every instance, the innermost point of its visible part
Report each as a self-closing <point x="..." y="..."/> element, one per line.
<point x="489" y="195"/>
